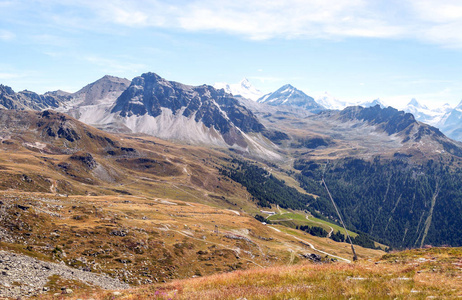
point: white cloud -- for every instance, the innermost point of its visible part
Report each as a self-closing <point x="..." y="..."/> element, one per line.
<point x="434" y="21"/>
<point x="5" y="76"/>
<point x="6" y="35"/>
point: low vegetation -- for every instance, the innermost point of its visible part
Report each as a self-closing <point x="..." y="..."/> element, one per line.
<point x="415" y="274"/>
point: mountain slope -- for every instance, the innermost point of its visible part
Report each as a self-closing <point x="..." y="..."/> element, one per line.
<point x="94" y="101"/>
<point x="392" y="176"/>
<point x="107" y="87"/>
<point x="195" y="114"/>
<point x="155" y="106"/>
<point x="87" y="104"/>
<point x="287" y="95"/>
<point x="137" y="208"/>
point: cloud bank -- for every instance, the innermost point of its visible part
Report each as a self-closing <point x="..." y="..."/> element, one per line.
<point x="432" y="21"/>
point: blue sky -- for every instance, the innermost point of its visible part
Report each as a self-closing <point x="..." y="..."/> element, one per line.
<point x="356" y="50"/>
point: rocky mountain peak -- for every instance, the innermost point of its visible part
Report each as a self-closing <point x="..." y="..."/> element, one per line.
<point x="152" y="98"/>
<point x="245" y="83"/>
<point x="104" y="88"/>
<point x="389" y="119"/>
<point x="4" y="89"/>
<point x="287" y="87"/>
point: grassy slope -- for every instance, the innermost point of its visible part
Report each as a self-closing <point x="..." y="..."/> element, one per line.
<point x="177" y="222"/>
<point x="153" y="238"/>
<point x="415" y="274"/>
<point x="300" y="219"/>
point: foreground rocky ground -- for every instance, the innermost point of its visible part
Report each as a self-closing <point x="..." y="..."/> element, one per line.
<point x="22" y="275"/>
<point x="415" y="274"/>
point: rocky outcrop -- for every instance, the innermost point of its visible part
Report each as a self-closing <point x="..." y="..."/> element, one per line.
<point x="27" y="100"/>
<point x="21" y="275"/>
<point x="86" y="159"/>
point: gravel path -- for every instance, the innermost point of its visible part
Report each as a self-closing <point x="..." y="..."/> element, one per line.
<point x="21" y="275"/>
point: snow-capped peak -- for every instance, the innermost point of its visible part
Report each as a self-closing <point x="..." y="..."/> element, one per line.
<point x="424" y="114"/>
<point x="290" y="96"/>
<point x="245" y="83"/>
<point x="330" y="102"/>
<point x="374" y="103"/>
<point x="416" y="104"/>
<point x="244" y="88"/>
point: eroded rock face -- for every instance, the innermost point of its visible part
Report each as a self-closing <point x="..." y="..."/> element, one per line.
<point x="57" y="126"/>
<point x="86" y="159"/>
<point x="150" y="94"/>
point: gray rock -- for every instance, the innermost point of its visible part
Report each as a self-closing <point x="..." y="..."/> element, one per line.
<point x="33" y="275"/>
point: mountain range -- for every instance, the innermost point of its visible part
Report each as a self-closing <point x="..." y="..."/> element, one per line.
<point x="152" y="105"/>
<point x="287" y="130"/>
<point x="149" y="180"/>
<point x="446" y="118"/>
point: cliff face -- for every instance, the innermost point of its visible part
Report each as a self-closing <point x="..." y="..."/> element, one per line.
<point x="151" y="95"/>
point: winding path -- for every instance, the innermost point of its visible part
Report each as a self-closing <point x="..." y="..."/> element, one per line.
<point x="311" y="245"/>
<point x="331" y="229"/>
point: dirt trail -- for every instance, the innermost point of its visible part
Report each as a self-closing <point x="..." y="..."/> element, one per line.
<point x="312" y="247"/>
<point x="331" y="229"/>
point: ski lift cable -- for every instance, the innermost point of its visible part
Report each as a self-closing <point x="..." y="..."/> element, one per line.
<point x="341" y="220"/>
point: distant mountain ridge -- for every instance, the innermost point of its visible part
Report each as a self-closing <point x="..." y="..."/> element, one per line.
<point x="105" y="89"/>
<point x="451" y="122"/>
<point x="424" y="114"/>
<point x="94" y="104"/>
<point x="27" y="100"/>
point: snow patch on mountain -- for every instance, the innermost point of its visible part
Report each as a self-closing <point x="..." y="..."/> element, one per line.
<point x="330" y="102"/>
<point x="333" y="103"/>
<point x="372" y="103"/>
<point x="244" y="89"/>
<point x="426" y="115"/>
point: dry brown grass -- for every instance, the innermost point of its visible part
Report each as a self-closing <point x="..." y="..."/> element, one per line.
<point x="423" y="275"/>
<point x="153" y="239"/>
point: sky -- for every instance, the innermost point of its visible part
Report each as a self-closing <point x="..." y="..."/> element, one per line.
<point x="356" y="50"/>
